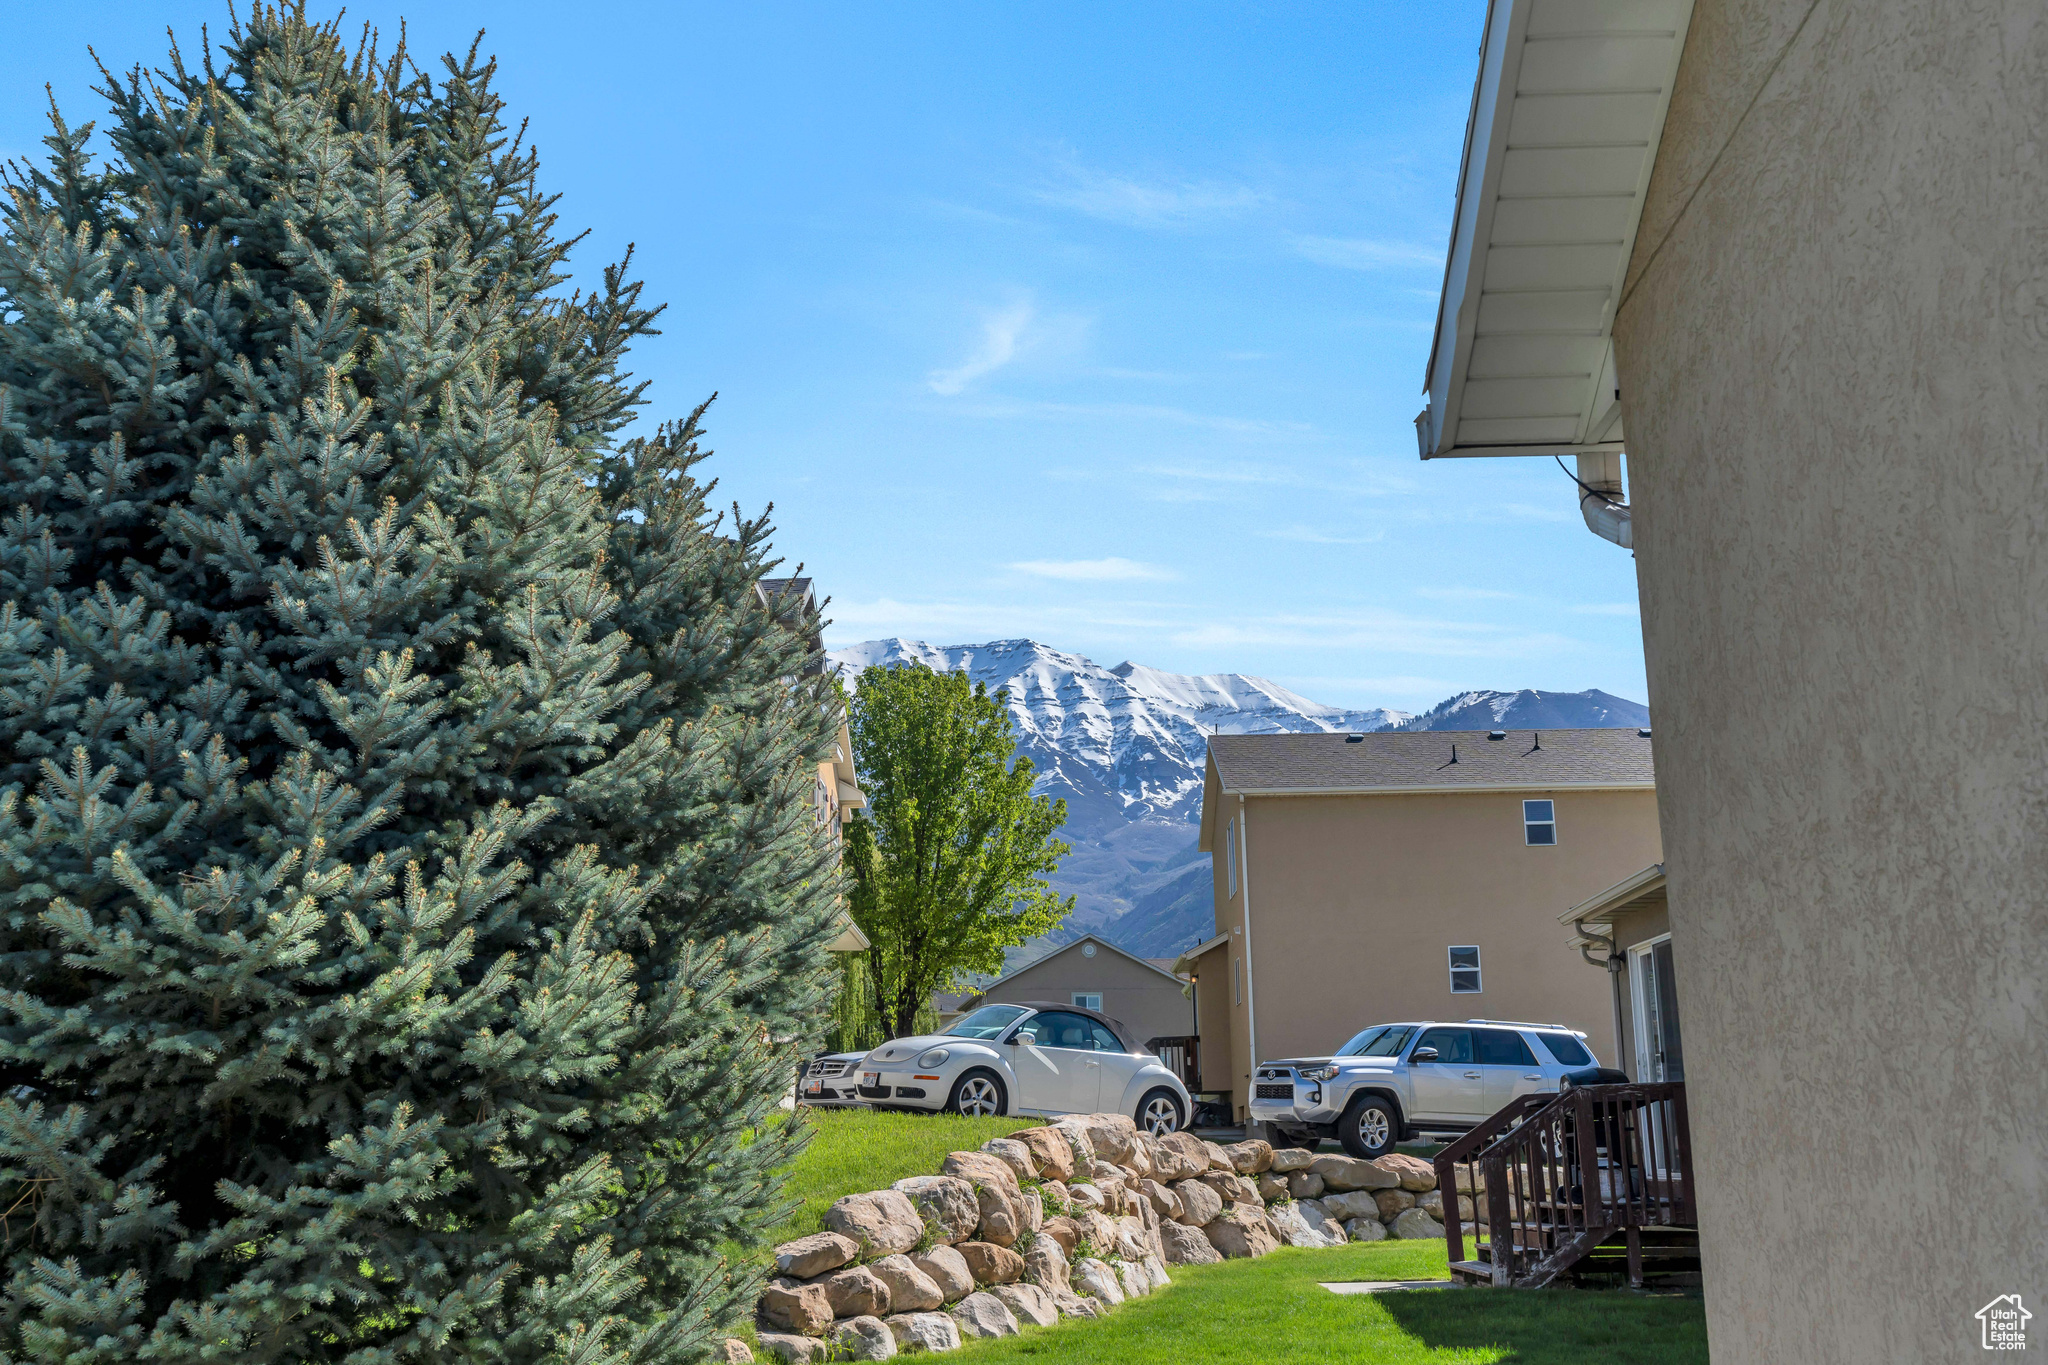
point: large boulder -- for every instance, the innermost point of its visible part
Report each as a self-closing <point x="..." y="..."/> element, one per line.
<point x="814" y="1255"/>
<point x="1468" y="1178"/>
<point x="1351" y="1204"/>
<point x="1240" y="1232"/>
<point x="1106" y="1176"/>
<point x="924" y="1332"/>
<point x="1233" y="1188"/>
<point x="1099" y="1230"/>
<point x="1187" y="1246"/>
<point x="1350" y="1173"/>
<point x="1083" y="1195"/>
<point x="1066" y="1231"/>
<point x="1272" y="1187"/>
<point x="883" y="1222"/>
<point x="1030" y="1214"/>
<point x="948" y="1270"/>
<point x="1287" y="1159"/>
<point x="863" y="1338"/>
<point x="1365" y="1228"/>
<point x="948" y="1204"/>
<point x="1219" y="1160"/>
<point x="984" y="1315"/>
<point x="732" y="1351"/>
<point x="856" y="1292"/>
<point x="1014" y="1154"/>
<point x="800" y="1308"/>
<point x="991" y="1264"/>
<point x="1144" y="1158"/>
<point x="1416" y="1225"/>
<point x="1155" y="1271"/>
<point x="1072" y="1305"/>
<point x="793" y="1349"/>
<point x="1076" y="1135"/>
<point x="1392" y="1203"/>
<point x="1096" y="1279"/>
<point x="1250" y="1157"/>
<point x="1432" y="1203"/>
<point x="1112" y="1135"/>
<point x="1199" y="1204"/>
<point x="980" y="1166"/>
<point x="1318" y="1218"/>
<point x="1057" y="1200"/>
<point x="1304" y="1185"/>
<point x="1131" y="1277"/>
<point x="1164" y="1201"/>
<point x="1179" y="1156"/>
<point x="996" y="1194"/>
<point x="1132" y="1241"/>
<point x="910" y="1289"/>
<point x="1295" y="1230"/>
<point x="1029" y="1303"/>
<point x="1412" y="1171"/>
<point x="1045" y="1264"/>
<point x="1050" y="1150"/>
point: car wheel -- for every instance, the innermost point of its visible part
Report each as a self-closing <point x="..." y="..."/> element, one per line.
<point x="1370" y="1126"/>
<point x="1159" y="1113"/>
<point x="978" y="1094"/>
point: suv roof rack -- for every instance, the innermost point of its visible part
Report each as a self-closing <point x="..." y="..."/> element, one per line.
<point x="1524" y="1023"/>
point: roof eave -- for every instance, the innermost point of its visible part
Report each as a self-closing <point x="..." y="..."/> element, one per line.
<point x="1440" y="788"/>
<point x="1602" y="906"/>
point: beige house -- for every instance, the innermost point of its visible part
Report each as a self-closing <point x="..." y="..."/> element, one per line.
<point x="1406" y="875"/>
<point x="1140" y="993"/>
<point x="1793" y="259"/>
<point x="1625" y="931"/>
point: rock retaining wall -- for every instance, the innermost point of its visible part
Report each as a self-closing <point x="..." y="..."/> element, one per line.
<point x="1067" y="1220"/>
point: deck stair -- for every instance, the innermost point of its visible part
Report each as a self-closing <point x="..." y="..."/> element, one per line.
<point x="1595" y="1180"/>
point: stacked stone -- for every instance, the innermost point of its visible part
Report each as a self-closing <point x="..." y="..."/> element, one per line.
<point x="1063" y="1221"/>
<point x="972" y="1251"/>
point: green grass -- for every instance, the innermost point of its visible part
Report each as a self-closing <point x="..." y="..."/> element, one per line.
<point x="1272" y="1309"/>
<point x="853" y="1150"/>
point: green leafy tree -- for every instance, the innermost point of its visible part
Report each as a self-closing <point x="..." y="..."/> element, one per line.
<point x="410" y="901"/>
<point x="949" y="866"/>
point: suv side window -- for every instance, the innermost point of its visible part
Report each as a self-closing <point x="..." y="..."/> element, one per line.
<point x="1568" y="1050"/>
<point x="1451" y="1044"/>
<point x="1501" y="1047"/>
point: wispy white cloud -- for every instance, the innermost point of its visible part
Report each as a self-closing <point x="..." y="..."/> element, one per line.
<point x="999" y="335"/>
<point x="1155" y="203"/>
<point x="1609" y="609"/>
<point x="1379" y="630"/>
<point x="1111" y="570"/>
<point x="1351" y="253"/>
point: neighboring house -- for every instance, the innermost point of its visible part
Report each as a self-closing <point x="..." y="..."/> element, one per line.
<point x="1141" y="994"/>
<point x="1792" y="257"/>
<point x="1365" y="879"/>
<point x="1626" y="932"/>
<point x="835" y="790"/>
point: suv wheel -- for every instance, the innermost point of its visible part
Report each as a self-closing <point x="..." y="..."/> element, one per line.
<point x="1370" y="1126"/>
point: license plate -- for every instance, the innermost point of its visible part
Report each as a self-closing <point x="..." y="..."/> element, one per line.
<point x="871" y="1079"/>
<point x="814" y="1087"/>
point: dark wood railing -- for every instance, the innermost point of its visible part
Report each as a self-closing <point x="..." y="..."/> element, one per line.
<point x="1182" y="1055"/>
<point x="1557" y="1176"/>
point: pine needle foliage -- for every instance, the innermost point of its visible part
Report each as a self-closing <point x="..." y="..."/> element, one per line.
<point x="410" y="901"/>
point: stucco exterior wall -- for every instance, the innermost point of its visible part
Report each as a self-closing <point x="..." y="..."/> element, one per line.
<point x="1357" y="899"/>
<point x="1834" y="368"/>
<point x="1212" y="1020"/>
<point x="1149" y="1004"/>
<point x="1237" y="980"/>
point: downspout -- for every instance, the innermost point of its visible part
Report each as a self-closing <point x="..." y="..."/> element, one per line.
<point x="1601" y="498"/>
<point x="1251" y="990"/>
<point x="1614" y="963"/>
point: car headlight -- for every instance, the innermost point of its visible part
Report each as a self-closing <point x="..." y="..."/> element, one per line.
<point x="936" y="1057"/>
<point x="1321" y="1073"/>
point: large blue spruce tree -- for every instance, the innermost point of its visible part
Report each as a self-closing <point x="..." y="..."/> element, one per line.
<point x="410" y="890"/>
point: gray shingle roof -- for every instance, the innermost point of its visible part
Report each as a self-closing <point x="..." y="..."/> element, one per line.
<point x="1392" y="760"/>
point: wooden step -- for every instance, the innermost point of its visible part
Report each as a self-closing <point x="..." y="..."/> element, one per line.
<point x="1473" y="1272"/>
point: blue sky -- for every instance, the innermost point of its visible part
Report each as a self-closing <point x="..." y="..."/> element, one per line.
<point x="1101" y="324"/>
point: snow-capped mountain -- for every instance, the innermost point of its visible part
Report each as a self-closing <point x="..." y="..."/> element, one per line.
<point x="1125" y="747"/>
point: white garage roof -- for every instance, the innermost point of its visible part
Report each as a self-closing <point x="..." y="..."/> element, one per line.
<point x="1566" y="116"/>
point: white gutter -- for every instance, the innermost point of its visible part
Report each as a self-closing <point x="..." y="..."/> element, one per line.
<point x="1602" y="500"/>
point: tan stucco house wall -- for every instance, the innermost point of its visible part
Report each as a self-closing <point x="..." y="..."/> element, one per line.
<point x="1355" y="899"/>
<point x="1148" y="1000"/>
<point x="1834" y="363"/>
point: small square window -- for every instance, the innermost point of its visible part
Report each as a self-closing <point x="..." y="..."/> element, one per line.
<point x="1465" y="970"/>
<point x="1539" y="822"/>
<point x="1088" y="1000"/>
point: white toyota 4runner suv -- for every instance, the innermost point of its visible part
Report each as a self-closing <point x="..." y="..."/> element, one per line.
<point x="1394" y="1081"/>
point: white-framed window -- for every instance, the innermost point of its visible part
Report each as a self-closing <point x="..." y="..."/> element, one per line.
<point x="1237" y="977"/>
<point x="1539" y="822"/>
<point x="1465" y="969"/>
<point x="1088" y="1000"/>
<point x="1230" y="857"/>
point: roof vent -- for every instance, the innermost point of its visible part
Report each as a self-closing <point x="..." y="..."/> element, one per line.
<point x="1496" y="734"/>
<point x="1360" y="739"/>
<point x="1643" y="733"/>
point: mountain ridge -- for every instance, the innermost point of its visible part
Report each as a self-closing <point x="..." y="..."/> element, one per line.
<point x="1126" y="748"/>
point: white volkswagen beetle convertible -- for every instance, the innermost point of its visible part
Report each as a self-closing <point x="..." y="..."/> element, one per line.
<point x="1027" y="1059"/>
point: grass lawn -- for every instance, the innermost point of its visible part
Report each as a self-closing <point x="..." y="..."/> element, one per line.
<point x="857" y="1149"/>
<point x="1272" y="1309"/>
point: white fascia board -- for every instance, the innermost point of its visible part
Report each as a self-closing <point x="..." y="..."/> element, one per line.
<point x="1438" y="790"/>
